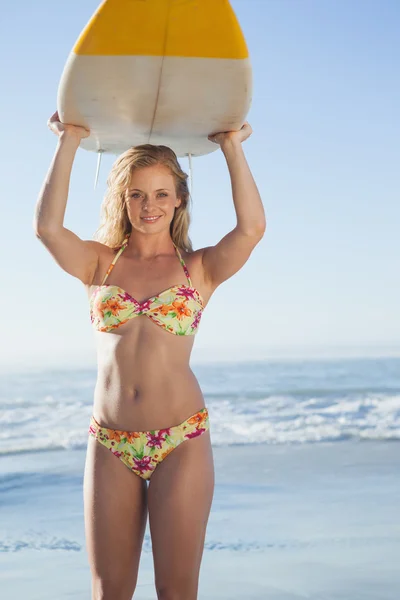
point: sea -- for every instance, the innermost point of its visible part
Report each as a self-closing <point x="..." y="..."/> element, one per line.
<point x="285" y="402"/>
<point x="307" y="482"/>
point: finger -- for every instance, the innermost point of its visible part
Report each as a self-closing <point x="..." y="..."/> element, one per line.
<point x="54" y="117"/>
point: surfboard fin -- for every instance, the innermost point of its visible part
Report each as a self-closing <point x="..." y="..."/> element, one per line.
<point x="191" y="174"/>
<point x="96" y="179"/>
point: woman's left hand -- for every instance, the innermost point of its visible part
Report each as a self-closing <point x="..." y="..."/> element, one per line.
<point x="232" y="136"/>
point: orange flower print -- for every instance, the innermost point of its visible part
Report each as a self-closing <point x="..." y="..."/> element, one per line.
<point x="114" y="434"/>
<point x="132" y="435"/>
<point x="97" y="309"/>
<point x="113" y="305"/>
<point x="199" y="418"/>
<point x="165" y="309"/>
<point x="182" y="309"/>
<point x="118" y="435"/>
<point x="164" y="454"/>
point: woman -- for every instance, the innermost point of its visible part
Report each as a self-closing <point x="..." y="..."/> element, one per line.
<point x="149" y="413"/>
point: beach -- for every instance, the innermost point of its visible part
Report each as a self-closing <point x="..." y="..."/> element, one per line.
<point x="307" y="484"/>
<point x="287" y="522"/>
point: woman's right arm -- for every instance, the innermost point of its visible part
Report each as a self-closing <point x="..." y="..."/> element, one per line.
<point x="75" y="256"/>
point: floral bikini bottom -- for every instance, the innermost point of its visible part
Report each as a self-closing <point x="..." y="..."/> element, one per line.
<point x="142" y="451"/>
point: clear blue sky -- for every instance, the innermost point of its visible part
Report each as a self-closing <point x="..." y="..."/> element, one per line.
<point x="324" y="281"/>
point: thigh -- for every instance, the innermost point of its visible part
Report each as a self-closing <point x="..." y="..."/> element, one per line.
<point x="115" y="509"/>
<point x="179" y="500"/>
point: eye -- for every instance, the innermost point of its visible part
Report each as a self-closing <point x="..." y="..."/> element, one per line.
<point x="163" y="194"/>
<point x="135" y="194"/>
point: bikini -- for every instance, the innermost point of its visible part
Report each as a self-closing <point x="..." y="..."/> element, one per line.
<point x="177" y="310"/>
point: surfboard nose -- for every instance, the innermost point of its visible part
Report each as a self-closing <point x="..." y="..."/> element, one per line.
<point x="165" y="72"/>
<point x="185" y="28"/>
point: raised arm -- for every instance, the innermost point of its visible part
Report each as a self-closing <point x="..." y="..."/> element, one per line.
<point x="75" y="256"/>
<point x="230" y="254"/>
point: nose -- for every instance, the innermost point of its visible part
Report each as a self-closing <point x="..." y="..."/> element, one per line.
<point x="145" y="202"/>
<point x="149" y="202"/>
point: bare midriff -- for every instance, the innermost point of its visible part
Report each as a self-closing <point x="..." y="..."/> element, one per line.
<point x="144" y="379"/>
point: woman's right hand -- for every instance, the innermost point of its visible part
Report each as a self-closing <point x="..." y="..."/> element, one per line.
<point x="60" y="129"/>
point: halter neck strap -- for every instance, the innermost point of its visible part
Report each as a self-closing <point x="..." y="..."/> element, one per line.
<point x="183" y="265"/>
<point x="124" y="245"/>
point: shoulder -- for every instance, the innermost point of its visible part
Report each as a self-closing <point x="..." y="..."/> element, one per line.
<point x="194" y="258"/>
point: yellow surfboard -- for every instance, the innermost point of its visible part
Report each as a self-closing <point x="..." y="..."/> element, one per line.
<point x="160" y="72"/>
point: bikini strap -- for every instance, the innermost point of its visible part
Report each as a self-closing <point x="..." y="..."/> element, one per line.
<point x="116" y="257"/>
<point x="183" y="265"/>
<point x="124" y="245"/>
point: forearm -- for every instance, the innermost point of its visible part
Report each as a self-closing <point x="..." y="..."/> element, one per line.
<point x="246" y="198"/>
<point x="53" y="196"/>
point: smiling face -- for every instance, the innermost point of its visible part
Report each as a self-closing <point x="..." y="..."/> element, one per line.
<point x="151" y="193"/>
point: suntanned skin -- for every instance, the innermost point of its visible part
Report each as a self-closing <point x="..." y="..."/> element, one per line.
<point x="144" y="379"/>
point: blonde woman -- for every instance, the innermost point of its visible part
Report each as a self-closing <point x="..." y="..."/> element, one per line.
<point x="149" y="449"/>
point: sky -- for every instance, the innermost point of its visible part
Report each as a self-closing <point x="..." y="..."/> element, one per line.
<point x="324" y="280"/>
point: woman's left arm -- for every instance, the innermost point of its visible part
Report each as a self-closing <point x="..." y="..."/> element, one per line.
<point x="230" y="254"/>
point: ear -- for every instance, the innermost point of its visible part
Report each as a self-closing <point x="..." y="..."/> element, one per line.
<point x="179" y="202"/>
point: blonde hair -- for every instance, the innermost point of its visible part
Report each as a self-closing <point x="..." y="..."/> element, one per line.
<point x="114" y="220"/>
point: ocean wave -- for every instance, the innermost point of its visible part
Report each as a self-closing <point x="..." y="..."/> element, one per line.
<point x="248" y="405"/>
<point x="34" y="540"/>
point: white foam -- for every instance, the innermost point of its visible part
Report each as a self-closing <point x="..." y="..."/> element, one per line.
<point x="48" y="411"/>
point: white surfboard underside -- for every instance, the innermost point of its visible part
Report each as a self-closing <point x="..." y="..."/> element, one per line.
<point x="130" y="100"/>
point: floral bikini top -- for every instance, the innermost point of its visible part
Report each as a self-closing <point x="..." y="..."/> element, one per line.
<point x="177" y="309"/>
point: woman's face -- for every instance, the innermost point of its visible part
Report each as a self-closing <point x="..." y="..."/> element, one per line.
<point x="151" y="193"/>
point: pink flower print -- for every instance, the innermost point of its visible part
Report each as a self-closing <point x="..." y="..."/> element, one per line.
<point x="196" y="320"/>
<point x="146" y="305"/>
<point x="195" y="433"/>
<point x="143" y="464"/>
<point x="118" y="454"/>
<point x="125" y="297"/>
<point x="187" y="293"/>
<point x="157" y="439"/>
<point x="185" y="269"/>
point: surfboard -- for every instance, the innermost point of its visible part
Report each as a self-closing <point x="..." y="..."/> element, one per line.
<point x="166" y="72"/>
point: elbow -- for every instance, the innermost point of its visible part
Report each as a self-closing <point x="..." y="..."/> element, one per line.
<point x="36" y="228"/>
<point x="256" y="233"/>
<point x="263" y="228"/>
<point x="259" y="230"/>
<point x="41" y="231"/>
<point x="44" y="225"/>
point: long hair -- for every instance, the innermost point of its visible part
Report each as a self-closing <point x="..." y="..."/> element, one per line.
<point x="114" y="221"/>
